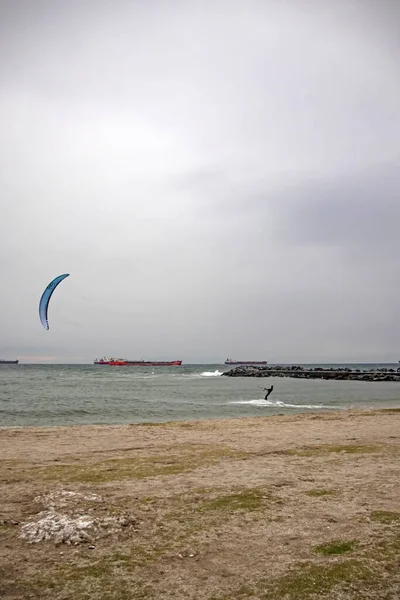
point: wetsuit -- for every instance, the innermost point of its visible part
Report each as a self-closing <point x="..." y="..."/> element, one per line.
<point x="268" y="390"/>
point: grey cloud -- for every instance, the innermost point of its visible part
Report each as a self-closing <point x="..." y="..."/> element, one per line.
<point x="362" y="209"/>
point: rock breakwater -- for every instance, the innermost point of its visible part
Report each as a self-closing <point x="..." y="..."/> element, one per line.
<point x="298" y="372"/>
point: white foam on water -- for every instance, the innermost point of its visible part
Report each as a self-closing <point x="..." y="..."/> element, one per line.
<point x="280" y="404"/>
<point x="211" y="373"/>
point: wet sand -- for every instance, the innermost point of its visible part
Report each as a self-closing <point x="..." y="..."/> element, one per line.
<point x="293" y="507"/>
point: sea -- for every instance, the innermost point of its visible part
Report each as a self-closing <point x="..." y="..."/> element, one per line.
<point x="48" y="395"/>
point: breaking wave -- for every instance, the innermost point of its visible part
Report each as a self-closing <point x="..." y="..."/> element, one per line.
<point x="280" y="404"/>
<point x="211" y="373"/>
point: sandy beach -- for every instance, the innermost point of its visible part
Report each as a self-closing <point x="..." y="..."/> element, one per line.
<point x="282" y="507"/>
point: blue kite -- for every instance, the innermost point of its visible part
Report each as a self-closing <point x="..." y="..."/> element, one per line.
<point x="45" y="299"/>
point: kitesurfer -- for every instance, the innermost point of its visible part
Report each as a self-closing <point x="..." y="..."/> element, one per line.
<point x="268" y="390"/>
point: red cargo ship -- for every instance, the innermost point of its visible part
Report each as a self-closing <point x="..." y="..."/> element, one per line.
<point x="145" y="363"/>
<point x="123" y="362"/>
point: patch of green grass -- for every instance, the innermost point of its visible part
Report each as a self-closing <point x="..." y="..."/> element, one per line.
<point x="246" y="500"/>
<point x="353" y="448"/>
<point x="89" y="585"/>
<point x="95" y="570"/>
<point x="137" y="555"/>
<point x="385" y="516"/>
<point x="311" y="580"/>
<point x="112" y="577"/>
<point x="305" y="581"/>
<point x="336" y="547"/>
<point x="316" y="493"/>
<point x="187" y="516"/>
<point x="324" y="449"/>
<point x="134" y="468"/>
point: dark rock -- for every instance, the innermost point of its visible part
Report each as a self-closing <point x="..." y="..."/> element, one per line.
<point x="296" y="371"/>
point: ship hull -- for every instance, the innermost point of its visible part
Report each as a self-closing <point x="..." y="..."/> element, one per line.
<point x="246" y="362"/>
<point x="140" y="363"/>
<point x="9" y="362"/>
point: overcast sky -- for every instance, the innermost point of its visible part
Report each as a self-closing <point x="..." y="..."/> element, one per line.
<point x="220" y="179"/>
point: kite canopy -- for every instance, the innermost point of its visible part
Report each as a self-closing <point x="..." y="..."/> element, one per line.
<point x="45" y="299"/>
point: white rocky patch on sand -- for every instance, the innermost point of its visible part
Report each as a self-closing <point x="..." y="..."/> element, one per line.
<point x="73" y="529"/>
<point x="63" y="529"/>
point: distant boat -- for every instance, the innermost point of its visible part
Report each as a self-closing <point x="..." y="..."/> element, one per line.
<point x="124" y="362"/>
<point x="8" y="362"/>
<point x="105" y="360"/>
<point x="146" y="363"/>
<point x="230" y="361"/>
